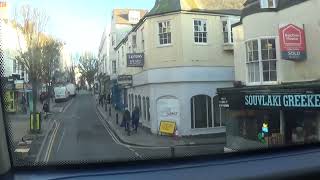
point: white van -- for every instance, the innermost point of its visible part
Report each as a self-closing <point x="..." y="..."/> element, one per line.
<point x="61" y="94"/>
<point x="71" y="89"/>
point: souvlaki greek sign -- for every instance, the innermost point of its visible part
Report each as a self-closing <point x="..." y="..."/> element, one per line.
<point x="283" y="100"/>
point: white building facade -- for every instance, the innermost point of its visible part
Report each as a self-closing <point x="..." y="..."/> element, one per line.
<point x="188" y="54"/>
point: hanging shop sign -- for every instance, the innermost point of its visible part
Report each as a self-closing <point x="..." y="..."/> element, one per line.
<point x="135" y="59"/>
<point x="292" y="42"/>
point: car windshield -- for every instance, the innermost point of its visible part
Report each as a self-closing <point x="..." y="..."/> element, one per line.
<point x="117" y="81"/>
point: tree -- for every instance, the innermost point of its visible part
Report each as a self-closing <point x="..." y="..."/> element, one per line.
<point x="31" y="23"/>
<point x="88" y="66"/>
<point x="50" y="59"/>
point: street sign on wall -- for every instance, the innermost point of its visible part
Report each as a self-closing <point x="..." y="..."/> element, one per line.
<point x="125" y="80"/>
<point x="292" y="41"/>
<point x="135" y="59"/>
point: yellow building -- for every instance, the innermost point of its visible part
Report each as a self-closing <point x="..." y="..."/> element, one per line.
<point x="178" y="55"/>
<point x="276" y="58"/>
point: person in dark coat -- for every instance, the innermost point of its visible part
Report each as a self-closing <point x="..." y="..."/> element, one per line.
<point x="45" y="109"/>
<point x="135" y="118"/>
<point x="126" y="120"/>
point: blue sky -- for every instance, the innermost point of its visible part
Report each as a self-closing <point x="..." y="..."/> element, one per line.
<point x="80" y="23"/>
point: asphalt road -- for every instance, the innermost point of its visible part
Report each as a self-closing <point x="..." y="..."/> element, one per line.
<point x="79" y="134"/>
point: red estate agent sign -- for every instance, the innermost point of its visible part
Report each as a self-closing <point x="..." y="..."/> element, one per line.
<point x="292" y="42"/>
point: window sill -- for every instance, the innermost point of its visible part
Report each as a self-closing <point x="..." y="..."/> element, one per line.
<point x="164" y="45"/>
<point x="201" y="44"/>
<point x="262" y="83"/>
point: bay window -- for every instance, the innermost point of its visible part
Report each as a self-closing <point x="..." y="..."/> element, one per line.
<point x="261" y="60"/>
<point x="164" y="33"/>
<point x="200" y="31"/>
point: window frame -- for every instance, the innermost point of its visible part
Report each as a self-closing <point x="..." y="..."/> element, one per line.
<point x="170" y="32"/>
<point x="144" y="108"/>
<point x="194" y="32"/>
<point x="262" y="82"/>
<point x="267" y="4"/>
<point x="193" y="112"/>
<point x="114" y="67"/>
<point x="148" y="109"/>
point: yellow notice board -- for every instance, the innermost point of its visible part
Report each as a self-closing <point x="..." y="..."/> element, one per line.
<point x="167" y="127"/>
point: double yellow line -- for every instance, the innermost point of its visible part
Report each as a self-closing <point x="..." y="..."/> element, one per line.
<point x="53" y="137"/>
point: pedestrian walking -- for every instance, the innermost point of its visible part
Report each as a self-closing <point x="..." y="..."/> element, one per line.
<point x="45" y="109"/>
<point x="135" y="118"/>
<point x="126" y="120"/>
<point x="23" y="104"/>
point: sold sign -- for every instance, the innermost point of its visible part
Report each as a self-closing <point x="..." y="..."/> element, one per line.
<point x="292" y="42"/>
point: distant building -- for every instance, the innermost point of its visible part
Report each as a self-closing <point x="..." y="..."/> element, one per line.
<point x="171" y="63"/>
<point x="121" y="23"/>
<point x="15" y="73"/>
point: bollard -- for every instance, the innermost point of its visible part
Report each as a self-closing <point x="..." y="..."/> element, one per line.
<point x="109" y="111"/>
<point x="172" y="151"/>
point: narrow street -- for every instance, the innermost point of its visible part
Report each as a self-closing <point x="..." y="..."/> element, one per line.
<point x="79" y="133"/>
<point x="81" y="136"/>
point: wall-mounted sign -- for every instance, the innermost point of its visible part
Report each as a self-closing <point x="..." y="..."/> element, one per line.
<point x="19" y="84"/>
<point x="292" y="41"/>
<point x="284" y="100"/>
<point x="135" y="60"/>
<point x="275" y="101"/>
<point x="125" y="80"/>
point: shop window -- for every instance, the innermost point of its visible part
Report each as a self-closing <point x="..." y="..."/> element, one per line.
<point x="144" y="108"/>
<point x="164" y="33"/>
<point x="261" y="60"/>
<point x="268" y="4"/>
<point x="148" y="108"/>
<point x="200" y="31"/>
<point x="201" y="111"/>
<point x="248" y="123"/>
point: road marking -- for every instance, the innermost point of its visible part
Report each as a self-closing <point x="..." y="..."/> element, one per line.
<point x="115" y="139"/>
<point x="43" y="142"/>
<point x="68" y="105"/>
<point x="48" y="153"/>
<point x="64" y="130"/>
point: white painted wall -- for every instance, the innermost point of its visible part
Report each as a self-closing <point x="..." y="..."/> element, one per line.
<point x="181" y="83"/>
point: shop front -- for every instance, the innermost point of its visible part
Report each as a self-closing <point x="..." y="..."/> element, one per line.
<point x="268" y="116"/>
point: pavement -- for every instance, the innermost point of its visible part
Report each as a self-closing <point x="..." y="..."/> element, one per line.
<point x="145" y="138"/>
<point x="22" y="140"/>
